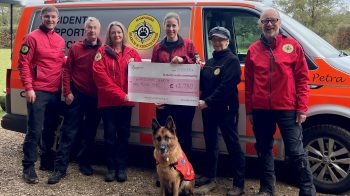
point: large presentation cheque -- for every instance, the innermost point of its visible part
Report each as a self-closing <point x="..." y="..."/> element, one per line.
<point x="163" y="83"/>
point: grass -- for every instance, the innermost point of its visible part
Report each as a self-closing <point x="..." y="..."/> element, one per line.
<point x="5" y="63"/>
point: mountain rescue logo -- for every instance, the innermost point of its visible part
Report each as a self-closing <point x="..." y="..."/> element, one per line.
<point x="287" y="48"/>
<point x="143" y="32"/>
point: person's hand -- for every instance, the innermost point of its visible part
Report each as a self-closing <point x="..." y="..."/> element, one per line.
<point x="30" y="96"/>
<point x="131" y="60"/>
<point x="160" y="105"/>
<point x="69" y="99"/>
<point x="126" y="98"/>
<point x="202" y="104"/>
<point x="177" y="60"/>
<point x="250" y="117"/>
<point x="301" y="117"/>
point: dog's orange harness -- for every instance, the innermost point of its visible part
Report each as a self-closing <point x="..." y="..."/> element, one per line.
<point x="185" y="168"/>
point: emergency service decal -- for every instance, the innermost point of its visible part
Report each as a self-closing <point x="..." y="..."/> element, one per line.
<point x="143" y="32"/>
<point x="98" y="56"/>
<point x="217" y="71"/>
<point x="24" y="49"/>
<point x="288" y="48"/>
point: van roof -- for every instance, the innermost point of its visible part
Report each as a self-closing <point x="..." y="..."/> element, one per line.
<point x="252" y="4"/>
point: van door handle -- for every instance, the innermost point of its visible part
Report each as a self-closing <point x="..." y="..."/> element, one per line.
<point x="315" y="86"/>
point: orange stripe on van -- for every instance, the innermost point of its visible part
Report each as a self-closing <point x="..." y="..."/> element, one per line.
<point x="198" y="35"/>
<point x="146" y="138"/>
<point x="191" y="23"/>
<point x="147" y="111"/>
<point x="250" y="149"/>
<point x="15" y="81"/>
<point x="21" y="32"/>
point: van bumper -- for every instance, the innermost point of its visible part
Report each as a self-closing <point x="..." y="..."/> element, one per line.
<point x="14" y="122"/>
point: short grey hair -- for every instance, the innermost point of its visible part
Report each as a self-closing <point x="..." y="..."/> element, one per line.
<point x="91" y="19"/>
<point x="268" y="9"/>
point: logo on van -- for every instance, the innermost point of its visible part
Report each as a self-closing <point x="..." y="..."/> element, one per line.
<point x="143" y="32"/>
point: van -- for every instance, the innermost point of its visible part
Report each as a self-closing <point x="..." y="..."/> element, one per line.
<point x="327" y="128"/>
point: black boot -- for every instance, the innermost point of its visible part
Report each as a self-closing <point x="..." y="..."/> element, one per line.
<point x="86" y="170"/>
<point x="110" y="176"/>
<point x="121" y="175"/>
<point x="56" y="177"/>
<point x="29" y="175"/>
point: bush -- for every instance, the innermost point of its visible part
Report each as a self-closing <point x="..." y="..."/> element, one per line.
<point x="5" y="35"/>
<point x="342" y="36"/>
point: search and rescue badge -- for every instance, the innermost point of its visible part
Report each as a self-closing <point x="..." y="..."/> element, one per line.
<point x="24" y="49"/>
<point x="217" y="71"/>
<point x="98" y="56"/>
<point x="288" y="48"/>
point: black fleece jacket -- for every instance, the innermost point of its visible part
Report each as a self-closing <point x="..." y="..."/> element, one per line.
<point x="219" y="79"/>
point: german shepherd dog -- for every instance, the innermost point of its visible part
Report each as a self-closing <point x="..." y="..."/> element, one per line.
<point x="174" y="170"/>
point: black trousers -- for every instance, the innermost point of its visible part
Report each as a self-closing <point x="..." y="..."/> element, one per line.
<point x="183" y="116"/>
<point x="264" y="127"/>
<point x="227" y="121"/>
<point x="116" y="123"/>
<point x="82" y="115"/>
<point x="42" y="123"/>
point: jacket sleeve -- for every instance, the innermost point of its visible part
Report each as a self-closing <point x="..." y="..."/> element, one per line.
<point x="25" y="66"/>
<point x="155" y="54"/>
<point x="231" y="76"/>
<point x="103" y="81"/>
<point x="136" y="56"/>
<point x="191" y="53"/>
<point x="301" y="76"/>
<point x="249" y="81"/>
<point x="67" y="70"/>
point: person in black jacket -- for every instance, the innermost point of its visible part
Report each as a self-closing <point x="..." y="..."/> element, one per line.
<point x="219" y="103"/>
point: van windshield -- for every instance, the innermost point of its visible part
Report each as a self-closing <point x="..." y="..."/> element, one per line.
<point x="308" y="39"/>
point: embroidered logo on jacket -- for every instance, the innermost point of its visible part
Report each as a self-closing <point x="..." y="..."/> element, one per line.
<point x="98" y="56"/>
<point x="287" y="48"/>
<point x="24" y="49"/>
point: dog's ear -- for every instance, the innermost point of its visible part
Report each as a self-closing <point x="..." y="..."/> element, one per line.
<point x="155" y="125"/>
<point x="169" y="124"/>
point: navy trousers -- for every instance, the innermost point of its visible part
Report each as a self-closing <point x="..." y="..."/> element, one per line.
<point x="42" y="123"/>
<point x="264" y="127"/>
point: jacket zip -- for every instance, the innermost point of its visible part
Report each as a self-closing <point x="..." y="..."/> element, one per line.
<point x="272" y="60"/>
<point x="113" y="70"/>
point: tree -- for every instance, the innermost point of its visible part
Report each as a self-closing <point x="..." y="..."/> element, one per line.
<point x="322" y="16"/>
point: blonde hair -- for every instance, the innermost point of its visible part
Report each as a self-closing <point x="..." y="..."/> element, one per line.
<point x="120" y="25"/>
<point x="172" y="15"/>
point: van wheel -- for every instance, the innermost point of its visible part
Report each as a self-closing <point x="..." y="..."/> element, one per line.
<point x="328" y="148"/>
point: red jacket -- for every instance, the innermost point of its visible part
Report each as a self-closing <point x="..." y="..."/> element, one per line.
<point x="184" y="49"/>
<point x="78" y="68"/>
<point x="41" y="60"/>
<point x="278" y="81"/>
<point x="110" y="72"/>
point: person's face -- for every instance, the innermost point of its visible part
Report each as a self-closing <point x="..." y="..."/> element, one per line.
<point x="171" y="28"/>
<point x="92" y="30"/>
<point x="49" y="19"/>
<point x="116" y="34"/>
<point x="270" y="23"/>
<point x="219" y="43"/>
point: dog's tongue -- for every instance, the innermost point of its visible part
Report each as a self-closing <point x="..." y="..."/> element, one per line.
<point x="164" y="154"/>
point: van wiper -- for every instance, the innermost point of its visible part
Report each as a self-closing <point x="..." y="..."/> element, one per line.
<point x="342" y="53"/>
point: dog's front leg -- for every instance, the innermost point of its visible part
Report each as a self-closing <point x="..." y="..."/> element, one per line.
<point x="162" y="190"/>
<point x="176" y="186"/>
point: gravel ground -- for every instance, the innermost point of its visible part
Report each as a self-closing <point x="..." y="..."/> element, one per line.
<point x="140" y="178"/>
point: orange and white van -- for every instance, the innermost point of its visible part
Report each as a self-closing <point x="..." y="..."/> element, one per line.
<point x="327" y="128"/>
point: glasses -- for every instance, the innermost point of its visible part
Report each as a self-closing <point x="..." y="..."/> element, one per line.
<point x="272" y="20"/>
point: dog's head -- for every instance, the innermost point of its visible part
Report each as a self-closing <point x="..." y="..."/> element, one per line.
<point x="164" y="138"/>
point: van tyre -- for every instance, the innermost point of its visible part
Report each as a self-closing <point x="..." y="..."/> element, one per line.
<point x="328" y="148"/>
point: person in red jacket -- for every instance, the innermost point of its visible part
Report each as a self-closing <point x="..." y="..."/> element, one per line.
<point x="110" y="71"/>
<point x="80" y="94"/>
<point x="276" y="82"/>
<point x="177" y="50"/>
<point x="40" y="66"/>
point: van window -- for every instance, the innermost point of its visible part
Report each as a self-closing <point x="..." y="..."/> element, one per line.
<point x="243" y="27"/>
